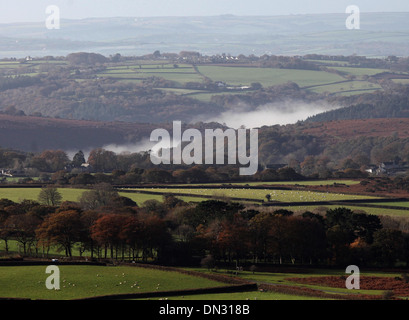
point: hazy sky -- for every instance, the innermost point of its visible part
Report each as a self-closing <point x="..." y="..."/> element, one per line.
<point x="34" y="10"/>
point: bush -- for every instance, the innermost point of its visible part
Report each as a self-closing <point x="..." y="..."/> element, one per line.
<point x="208" y="262"/>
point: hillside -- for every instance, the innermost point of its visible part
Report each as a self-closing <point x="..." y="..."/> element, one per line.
<point x="381" y="34"/>
<point x="191" y="87"/>
<point x="365" y="141"/>
<point x="35" y="134"/>
<point x="386" y="104"/>
<point x="354" y="129"/>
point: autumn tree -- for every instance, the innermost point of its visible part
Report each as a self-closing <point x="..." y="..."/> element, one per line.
<point x="102" y="160"/>
<point x="50" y="160"/>
<point x="101" y="195"/>
<point x="22" y="228"/>
<point x="233" y="238"/>
<point x="106" y="231"/>
<point x="153" y="235"/>
<point x="88" y="219"/>
<point x="60" y="228"/>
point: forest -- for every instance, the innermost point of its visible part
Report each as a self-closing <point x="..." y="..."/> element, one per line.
<point x="103" y="225"/>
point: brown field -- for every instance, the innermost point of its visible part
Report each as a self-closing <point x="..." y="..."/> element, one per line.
<point x="398" y="285"/>
<point x="349" y="129"/>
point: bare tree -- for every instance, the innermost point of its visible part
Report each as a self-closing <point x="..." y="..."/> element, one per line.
<point x="50" y="196"/>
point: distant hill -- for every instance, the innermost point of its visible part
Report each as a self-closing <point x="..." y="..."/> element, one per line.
<point x="381" y="104"/>
<point x="381" y="34"/>
<point x="36" y="134"/>
<point x="337" y="140"/>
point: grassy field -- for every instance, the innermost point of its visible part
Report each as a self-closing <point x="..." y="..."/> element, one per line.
<point x="19" y="194"/>
<point x="284" y="279"/>
<point x="345" y="87"/>
<point x="87" y="281"/>
<point x="73" y="194"/>
<point x="181" y="74"/>
<point x="267" y="76"/>
<point x="235" y="75"/>
<point x="359" y="72"/>
<point x="260" y="194"/>
<point x="289" y="183"/>
<point x="252" y="295"/>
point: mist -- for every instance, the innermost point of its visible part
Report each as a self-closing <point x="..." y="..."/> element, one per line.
<point x="139" y="146"/>
<point x="282" y="113"/>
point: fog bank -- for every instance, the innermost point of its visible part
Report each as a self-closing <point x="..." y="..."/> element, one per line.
<point x="270" y="114"/>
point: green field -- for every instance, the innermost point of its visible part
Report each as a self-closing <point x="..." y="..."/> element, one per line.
<point x="235" y="75"/>
<point x="78" y="282"/>
<point x="358" y="72"/>
<point x="287" y="183"/>
<point x="252" y="295"/>
<point x="20" y="194"/>
<point x="260" y="194"/>
<point x="181" y="74"/>
<point x="345" y="87"/>
<point x="284" y="279"/>
<point x="88" y="281"/>
<point x="73" y="194"/>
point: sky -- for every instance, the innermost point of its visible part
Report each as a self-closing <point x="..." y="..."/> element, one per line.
<point x="34" y="10"/>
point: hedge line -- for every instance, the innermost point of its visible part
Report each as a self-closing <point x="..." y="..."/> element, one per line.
<point x="215" y="277"/>
<point x="303" y="291"/>
<point x="144" y="295"/>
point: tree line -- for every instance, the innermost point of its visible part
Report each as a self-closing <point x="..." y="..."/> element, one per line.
<point x="104" y="225"/>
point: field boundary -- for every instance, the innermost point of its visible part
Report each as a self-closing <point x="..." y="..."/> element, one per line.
<point x="157" y="294"/>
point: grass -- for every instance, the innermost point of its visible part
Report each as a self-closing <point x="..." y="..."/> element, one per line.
<point x="267" y="76"/>
<point x="140" y="198"/>
<point x="283" y="279"/>
<point x="358" y="72"/>
<point x="181" y="74"/>
<point x="251" y="295"/>
<point x="73" y="194"/>
<point x="260" y="194"/>
<point x="289" y="183"/>
<point x="19" y="194"/>
<point x="350" y="86"/>
<point x="88" y="281"/>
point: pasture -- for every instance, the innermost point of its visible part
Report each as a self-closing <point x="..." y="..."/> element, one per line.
<point x="289" y="279"/>
<point x="88" y="281"/>
<point x="259" y="194"/>
<point x="83" y="281"/>
<point x="249" y="196"/>
<point x="353" y="80"/>
<point x="74" y="194"/>
<point x="267" y="76"/>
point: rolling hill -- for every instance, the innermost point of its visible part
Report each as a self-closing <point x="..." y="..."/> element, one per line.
<point x="381" y="34"/>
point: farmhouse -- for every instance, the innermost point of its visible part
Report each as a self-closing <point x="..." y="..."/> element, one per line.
<point x="392" y="168"/>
